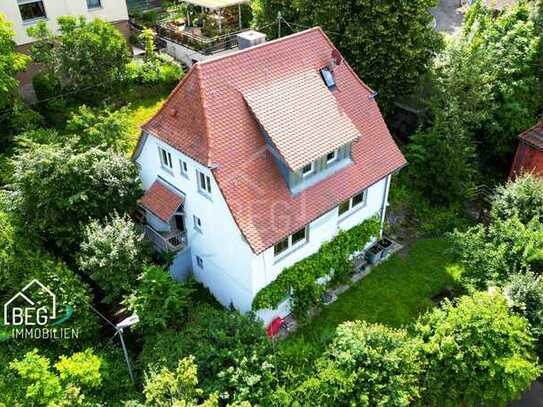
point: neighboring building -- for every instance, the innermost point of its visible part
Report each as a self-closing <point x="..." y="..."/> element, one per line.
<point x="25" y="13"/>
<point x="529" y="155"/>
<point x="258" y="158"/>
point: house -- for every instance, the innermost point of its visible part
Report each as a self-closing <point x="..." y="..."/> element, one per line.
<point x="529" y="155"/>
<point x="25" y="13"/>
<point x="259" y="157"/>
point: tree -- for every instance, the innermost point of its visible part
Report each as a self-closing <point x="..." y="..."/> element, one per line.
<point x="74" y="376"/>
<point x="147" y="37"/>
<point x="112" y="254"/>
<point x="105" y="128"/>
<point x="524" y="293"/>
<point x="389" y="44"/>
<point x="84" y="54"/>
<point x="11" y="62"/>
<point x="476" y="352"/>
<point x="366" y="364"/>
<point x="159" y="300"/>
<point x="56" y="190"/>
<point x="491" y="255"/>
<point x="522" y="197"/>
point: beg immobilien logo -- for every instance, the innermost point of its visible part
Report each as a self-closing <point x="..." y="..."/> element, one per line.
<point x="32" y="313"/>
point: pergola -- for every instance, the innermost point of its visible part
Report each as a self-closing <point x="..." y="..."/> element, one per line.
<point x="217" y="6"/>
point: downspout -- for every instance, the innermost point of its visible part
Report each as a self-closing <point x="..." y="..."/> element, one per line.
<point x="385" y="203"/>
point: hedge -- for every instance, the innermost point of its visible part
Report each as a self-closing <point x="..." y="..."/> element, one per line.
<point x="300" y="279"/>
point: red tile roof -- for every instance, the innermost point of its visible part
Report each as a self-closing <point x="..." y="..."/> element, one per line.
<point x="207" y="118"/>
<point x="299" y="114"/>
<point x="161" y="200"/>
<point x="534" y="136"/>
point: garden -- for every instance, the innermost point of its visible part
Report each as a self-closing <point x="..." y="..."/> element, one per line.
<point x="453" y="318"/>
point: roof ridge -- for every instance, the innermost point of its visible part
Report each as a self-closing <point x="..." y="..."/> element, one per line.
<point x="264" y="44"/>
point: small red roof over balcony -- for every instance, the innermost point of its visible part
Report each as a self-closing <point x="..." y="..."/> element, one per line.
<point x="162" y="200"/>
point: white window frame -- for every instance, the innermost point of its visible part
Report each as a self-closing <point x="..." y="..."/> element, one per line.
<point x="331" y="160"/>
<point x="353" y="208"/>
<point x="31" y="20"/>
<point x="184" y="168"/>
<point x="311" y="171"/>
<point x="200" y="262"/>
<point x="197" y="223"/>
<point x="99" y="6"/>
<point x="291" y="247"/>
<point x="205" y="189"/>
<point x="165" y="159"/>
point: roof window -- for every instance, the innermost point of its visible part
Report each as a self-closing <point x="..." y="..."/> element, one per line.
<point x="328" y="78"/>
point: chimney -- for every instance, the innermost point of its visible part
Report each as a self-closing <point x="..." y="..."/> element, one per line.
<point x="248" y="39"/>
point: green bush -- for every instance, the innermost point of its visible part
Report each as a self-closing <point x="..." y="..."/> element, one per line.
<point x="159" y="300"/>
<point x="366" y="365"/>
<point x="299" y="280"/>
<point x="155" y="71"/>
<point x="113" y="254"/>
<point x="522" y="197"/>
<point x="476" y="353"/>
<point x="46" y="85"/>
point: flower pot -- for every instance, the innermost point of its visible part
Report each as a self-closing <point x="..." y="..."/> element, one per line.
<point x="374" y="254"/>
<point x="386" y="244"/>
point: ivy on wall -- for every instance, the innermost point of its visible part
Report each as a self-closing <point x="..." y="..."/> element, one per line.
<point x="300" y="279"/>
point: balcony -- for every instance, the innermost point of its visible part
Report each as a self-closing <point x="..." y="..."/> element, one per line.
<point x="170" y="242"/>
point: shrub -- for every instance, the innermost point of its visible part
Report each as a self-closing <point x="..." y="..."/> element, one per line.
<point x="524" y="293"/>
<point x="522" y="197"/>
<point x="46" y="85"/>
<point x="299" y="280"/>
<point x="476" y="352"/>
<point x="112" y="254"/>
<point x="159" y="70"/>
<point x="225" y="345"/>
<point x="159" y="300"/>
<point x="53" y="184"/>
<point x="367" y="365"/>
<point x="105" y="128"/>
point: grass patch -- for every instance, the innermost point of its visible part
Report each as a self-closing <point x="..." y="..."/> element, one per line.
<point x="395" y="293"/>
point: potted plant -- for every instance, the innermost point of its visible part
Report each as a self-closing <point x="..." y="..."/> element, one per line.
<point x="386" y="244"/>
<point x="374" y="253"/>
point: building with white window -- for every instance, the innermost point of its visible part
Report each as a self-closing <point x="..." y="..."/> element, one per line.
<point x="25" y="13"/>
<point x="258" y="158"/>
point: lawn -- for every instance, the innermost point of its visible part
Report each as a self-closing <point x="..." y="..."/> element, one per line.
<point x="395" y="293"/>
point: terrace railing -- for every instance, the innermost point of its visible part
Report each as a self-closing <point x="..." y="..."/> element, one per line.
<point x="170" y="243"/>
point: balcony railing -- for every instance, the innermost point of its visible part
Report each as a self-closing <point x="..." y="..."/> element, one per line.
<point x="199" y="43"/>
<point x="166" y="242"/>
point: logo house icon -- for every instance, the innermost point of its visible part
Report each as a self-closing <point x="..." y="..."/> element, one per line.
<point x="22" y="310"/>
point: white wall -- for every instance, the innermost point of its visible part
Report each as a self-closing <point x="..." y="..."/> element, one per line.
<point x="232" y="271"/>
<point x="111" y="10"/>
<point x="227" y="257"/>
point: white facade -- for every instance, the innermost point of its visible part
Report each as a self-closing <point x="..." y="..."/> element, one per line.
<point x="231" y="270"/>
<point x="108" y="10"/>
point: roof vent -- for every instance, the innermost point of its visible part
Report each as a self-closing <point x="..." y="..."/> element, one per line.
<point x="248" y="39"/>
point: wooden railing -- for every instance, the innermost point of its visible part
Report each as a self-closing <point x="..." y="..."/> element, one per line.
<point x="170" y="242"/>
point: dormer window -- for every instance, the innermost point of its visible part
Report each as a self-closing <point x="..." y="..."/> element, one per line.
<point x="328" y="77"/>
<point x="308" y="169"/>
<point x="331" y="157"/>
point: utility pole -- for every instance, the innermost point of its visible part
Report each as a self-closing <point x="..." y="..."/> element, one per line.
<point x="279" y="18"/>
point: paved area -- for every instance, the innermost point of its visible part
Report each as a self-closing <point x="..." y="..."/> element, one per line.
<point x="449" y="15"/>
<point x="531" y="398"/>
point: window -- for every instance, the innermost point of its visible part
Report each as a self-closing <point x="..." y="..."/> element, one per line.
<point x="184" y="168"/>
<point x="197" y="223"/>
<point x="204" y="183"/>
<point x="165" y="159"/>
<point x="94" y="4"/>
<point x="31" y="9"/>
<point x="352" y="203"/>
<point x="331" y="157"/>
<point x="200" y="262"/>
<point x="308" y="169"/>
<point x="328" y="78"/>
<point x="294" y="240"/>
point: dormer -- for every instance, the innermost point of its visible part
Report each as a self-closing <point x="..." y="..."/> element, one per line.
<point x="304" y="127"/>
